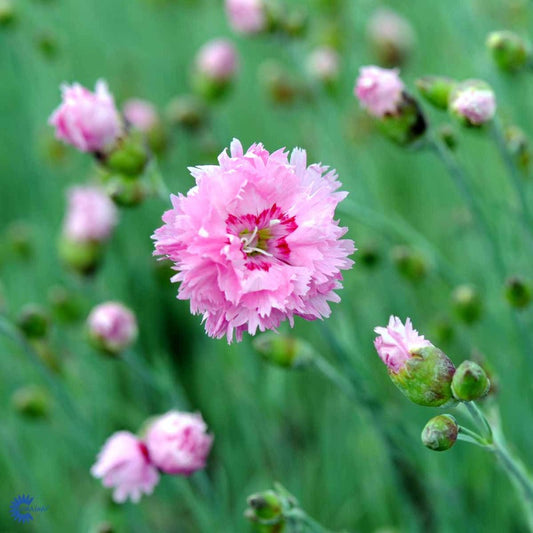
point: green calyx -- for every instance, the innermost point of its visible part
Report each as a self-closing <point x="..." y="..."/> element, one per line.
<point x="283" y="350"/>
<point x="129" y="157"/>
<point x="509" y="51"/>
<point x="426" y="377"/>
<point x="405" y="126"/>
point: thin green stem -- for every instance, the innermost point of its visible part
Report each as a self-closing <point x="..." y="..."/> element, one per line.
<point x="516" y="179"/>
<point x="462" y="183"/>
<point x="480" y="419"/>
<point x="467" y="435"/>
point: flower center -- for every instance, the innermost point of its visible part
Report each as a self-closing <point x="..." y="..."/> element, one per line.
<point x="263" y="236"/>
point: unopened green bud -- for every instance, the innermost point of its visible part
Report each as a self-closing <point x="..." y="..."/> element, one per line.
<point x="426" y="377"/>
<point x="436" y="90"/>
<point x="519" y="147"/>
<point x="7" y="13"/>
<point x="126" y="192"/>
<point x="369" y="255"/>
<point x="440" y="433"/>
<point x="266" y="506"/>
<point x="467" y="304"/>
<point x="32" y="401"/>
<point x="187" y="111"/>
<point x="129" y="157"/>
<point x="411" y="264"/>
<point x="19" y="237"/>
<point x="280" y="85"/>
<point x="295" y="22"/>
<point x="448" y="136"/>
<point x="518" y="292"/>
<point x="470" y="382"/>
<point x="34" y="321"/>
<point x="509" y="51"/>
<point x="82" y="257"/>
<point x="66" y="305"/>
<point x="283" y="350"/>
<point x="47" y="45"/>
<point x="443" y="331"/>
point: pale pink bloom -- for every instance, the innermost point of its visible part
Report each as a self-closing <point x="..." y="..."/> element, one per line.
<point x="255" y="241"/>
<point x="323" y="63"/>
<point x="89" y="121"/>
<point x="379" y="90"/>
<point x="388" y="28"/>
<point x="178" y="443"/>
<point x="476" y="105"/>
<point x="246" y="16"/>
<point x="112" y="325"/>
<point x="217" y="60"/>
<point x="140" y="114"/>
<point x="123" y="463"/>
<point x="396" y="342"/>
<point x="91" y="215"/>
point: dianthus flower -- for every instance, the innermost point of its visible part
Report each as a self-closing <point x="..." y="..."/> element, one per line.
<point x="255" y="241"/>
<point x="379" y="90"/>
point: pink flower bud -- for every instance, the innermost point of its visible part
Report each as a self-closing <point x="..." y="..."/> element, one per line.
<point x="379" y="90"/>
<point x="396" y="342"/>
<point x="178" y="443"/>
<point x="217" y="60"/>
<point x="89" y="121"/>
<point x="123" y="463"/>
<point x="91" y="215"/>
<point x="141" y="114"/>
<point x="246" y="16"/>
<point x="477" y="105"/>
<point x="112" y="326"/>
<point x="323" y="64"/>
<point x="391" y="34"/>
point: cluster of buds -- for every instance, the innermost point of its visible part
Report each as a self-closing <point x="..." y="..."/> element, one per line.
<point x="382" y="93"/>
<point x="175" y="443"/>
<point x="121" y="146"/>
<point x="257" y="17"/>
<point x="471" y="102"/>
<point x="428" y="377"/>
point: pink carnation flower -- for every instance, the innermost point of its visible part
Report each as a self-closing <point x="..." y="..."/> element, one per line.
<point x="396" y="342"/>
<point x="323" y="63"/>
<point x="217" y="60"/>
<point x="141" y="114"/>
<point x="89" y="121"/>
<point x="113" y="326"/>
<point x="123" y="463"/>
<point x="91" y="215"/>
<point x="476" y="105"/>
<point x="178" y="443"/>
<point x="246" y="16"/>
<point x="255" y="242"/>
<point x="379" y="90"/>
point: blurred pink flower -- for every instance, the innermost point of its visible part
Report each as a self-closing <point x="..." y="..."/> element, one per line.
<point x="396" y="342"/>
<point x="89" y="121"/>
<point x="246" y="16"/>
<point x="476" y="105"/>
<point x="178" y="443"/>
<point x="379" y="90"/>
<point x="217" y="60"/>
<point x="255" y="241"/>
<point x="113" y="326"/>
<point x="388" y="28"/>
<point x="141" y="114"/>
<point x="123" y="463"/>
<point x="91" y="215"/>
<point x="323" y="63"/>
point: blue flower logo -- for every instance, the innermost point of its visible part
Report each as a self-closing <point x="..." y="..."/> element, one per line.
<point x="19" y="508"/>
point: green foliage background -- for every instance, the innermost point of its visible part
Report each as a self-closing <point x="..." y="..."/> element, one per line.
<point x="269" y="424"/>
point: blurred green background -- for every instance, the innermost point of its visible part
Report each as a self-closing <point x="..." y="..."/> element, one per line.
<point x="269" y="424"/>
